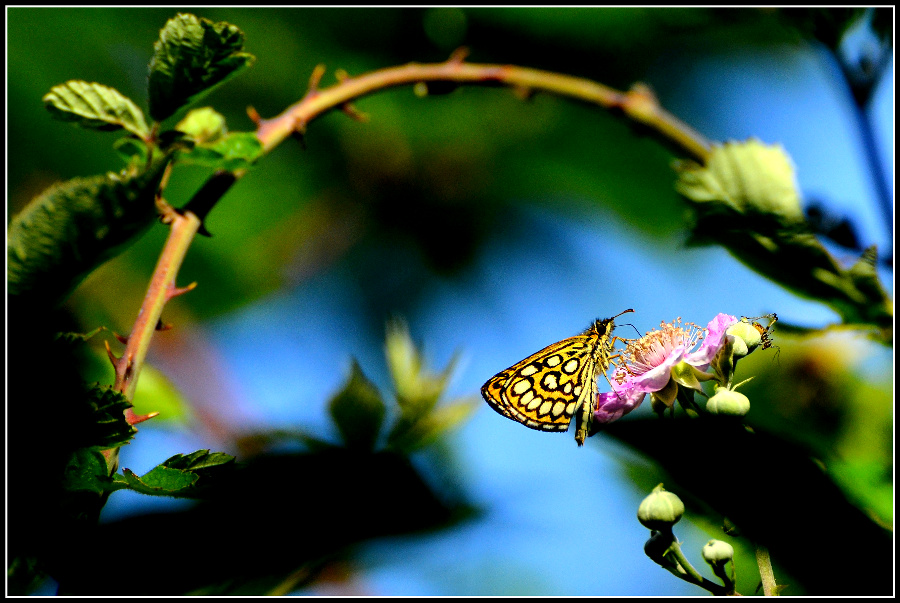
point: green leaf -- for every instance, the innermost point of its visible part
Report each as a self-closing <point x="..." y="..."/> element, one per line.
<point x="201" y="459"/>
<point x="159" y="481"/>
<point x="97" y="107"/>
<point x="749" y="177"/>
<point x="73" y="227"/>
<point x="192" y="56"/>
<point x="358" y="411"/>
<point x="107" y="427"/>
<point x="178" y="476"/>
<point x="745" y="200"/>
<point x="232" y="152"/>
<point x="87" y="470"/>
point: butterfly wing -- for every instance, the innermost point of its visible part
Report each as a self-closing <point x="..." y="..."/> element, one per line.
<point x="545" y="390"/>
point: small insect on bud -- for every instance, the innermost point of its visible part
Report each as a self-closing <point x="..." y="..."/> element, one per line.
<point x="661" y="510"/>
<point x="729" y="403"/>
<point x="717" y="552"/>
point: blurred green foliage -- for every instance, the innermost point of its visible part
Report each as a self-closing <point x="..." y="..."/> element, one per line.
<point x="435" y="172"/>
<point x="435" y="177"/>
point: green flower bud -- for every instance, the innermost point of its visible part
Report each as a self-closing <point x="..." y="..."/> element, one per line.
<point x="661" y="510"/>
<point x="717" y="552"/>
<point x="747" y="338"/>
<point x="728" y="402"/>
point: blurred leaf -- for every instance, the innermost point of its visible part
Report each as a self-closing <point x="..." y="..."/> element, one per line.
<point x="410" y="436"/>
<point x="748" y="177"/>
<point x="321" y="504"/>
<point x="745" y="200"/>
<point x="417" y="388"/>
<point x="155" y="393"/>
<point x="77" y="337"/>
<point x="97" y="107"/>
<point x="236" y="151"/>
<point x="775" y="493"/>
<point x="73" y="227"/>
<point x="358" y="411"/>
<point x="192" y="56"/>
<point x="826" y="24"/>
<point x="132" y="152"/>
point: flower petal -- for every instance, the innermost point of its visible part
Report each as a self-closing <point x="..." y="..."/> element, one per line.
<point x="614" y="405"/>
<point x="715" y="336"/>
<point x="656" y="378"/>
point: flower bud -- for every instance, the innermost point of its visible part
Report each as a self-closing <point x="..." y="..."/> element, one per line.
<point x="661" y="510"/>
<point x="728" y="402"/>
<point x="717" y="552"/>
<point x="747" y="338"/>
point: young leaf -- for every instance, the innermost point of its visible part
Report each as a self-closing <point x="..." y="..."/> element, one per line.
<point x="358" y="411"/>
<point x="232" y="152"/>
<point x="192" y="56"/>
<point x="73" y="227"/>
<point x="745" y="199"/>
<point x="199" y="461"/>
<point x="97" y="107"/>
<point x="132" y="152"/>
<point x="86" y="470"/>
<point x="107" y="427"/>
<point x="159" y="481"/>
<point x="178" y="476"/>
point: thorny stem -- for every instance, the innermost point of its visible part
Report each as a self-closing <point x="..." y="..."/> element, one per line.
<point x="638" y="104"/>
<point x="160" y="291"/>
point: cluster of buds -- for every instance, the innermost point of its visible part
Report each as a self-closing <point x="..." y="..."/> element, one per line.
<point x="659" y="512"/>
<point x="672" y="362"/>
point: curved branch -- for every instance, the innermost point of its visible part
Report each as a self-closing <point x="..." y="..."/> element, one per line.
<point x="638" y="105"/>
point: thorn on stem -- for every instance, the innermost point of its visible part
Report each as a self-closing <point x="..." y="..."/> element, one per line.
<point x="161" y="326"/>
<point x="315" y="78"/>
<point x="254" y="116"/>
<point x="174" y="291"/>
<point x="524" y="93"/>
<point x="112" y="357"/>
<point x="123" y="339"/>
<point x="354" y="113"/>
<point x="640" y="103"/>
<point x="459" y="55"/>
<point x="134" y="419"/>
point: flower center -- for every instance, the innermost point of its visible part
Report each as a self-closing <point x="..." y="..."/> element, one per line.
<point x="651" y="350"/>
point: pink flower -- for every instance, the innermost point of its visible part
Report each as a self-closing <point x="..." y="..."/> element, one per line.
<point x="647" y="365"/>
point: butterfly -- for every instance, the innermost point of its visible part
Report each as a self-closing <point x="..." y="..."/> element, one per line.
<point x="546" y="389"/>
